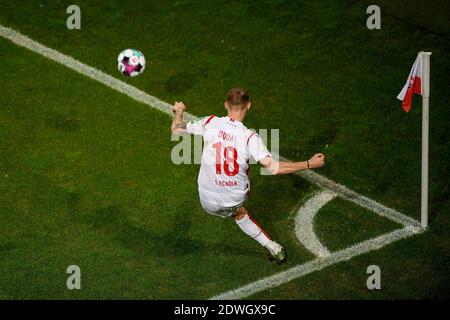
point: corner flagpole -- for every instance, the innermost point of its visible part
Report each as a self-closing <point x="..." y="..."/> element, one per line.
<point x="425" y="136"/>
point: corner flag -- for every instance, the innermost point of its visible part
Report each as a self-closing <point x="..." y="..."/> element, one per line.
<point x="419" y="82"/>
<point x="413" y="84"/>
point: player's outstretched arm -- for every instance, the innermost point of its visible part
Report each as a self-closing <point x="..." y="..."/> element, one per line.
<point x="178" y="124"/>
<point x="284" y="167"/>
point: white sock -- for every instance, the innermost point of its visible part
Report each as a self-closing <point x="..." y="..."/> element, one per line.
<point x="249" y="226"/>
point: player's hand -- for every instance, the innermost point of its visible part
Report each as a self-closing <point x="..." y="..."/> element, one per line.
<point x="317" y="161"/>
<point x="178" y="107"/>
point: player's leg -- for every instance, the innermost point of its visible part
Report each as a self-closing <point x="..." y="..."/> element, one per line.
<point x="249" y="226"/>
<point x="246" y="224"/>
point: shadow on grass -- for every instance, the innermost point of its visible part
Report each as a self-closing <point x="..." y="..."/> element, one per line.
<point x="65" y="123"/>
<point x="114" y="221"/>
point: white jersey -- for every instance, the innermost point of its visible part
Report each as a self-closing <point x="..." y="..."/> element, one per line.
<point x="228" y="146"/>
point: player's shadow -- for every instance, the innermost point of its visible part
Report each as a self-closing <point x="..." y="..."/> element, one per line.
<point x="179" y="83"/>
<point x="66" y="123"/>
<point x="235" y="250"/>
<point x="113" y="220"/>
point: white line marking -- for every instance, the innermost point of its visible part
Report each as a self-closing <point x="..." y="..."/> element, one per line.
<point x="88" y="71"/>
<point x="312" y="177"/>
<point x="318" y="264"/>
<point x="356" y="198"/>
<point x="304" y="223"/>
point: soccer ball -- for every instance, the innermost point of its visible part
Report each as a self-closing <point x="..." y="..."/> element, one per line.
<point x="131" y="62"/>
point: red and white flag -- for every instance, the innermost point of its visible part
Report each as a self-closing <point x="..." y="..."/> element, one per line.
<point x="413" y="84"/>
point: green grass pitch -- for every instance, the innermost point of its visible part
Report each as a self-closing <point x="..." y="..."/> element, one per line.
<point x="86" y="176"/>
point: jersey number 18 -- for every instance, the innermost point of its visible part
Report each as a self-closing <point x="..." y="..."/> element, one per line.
<point x="230" y="154"/>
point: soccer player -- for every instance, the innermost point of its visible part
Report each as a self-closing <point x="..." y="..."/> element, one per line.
<point x="223" y="181"/>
